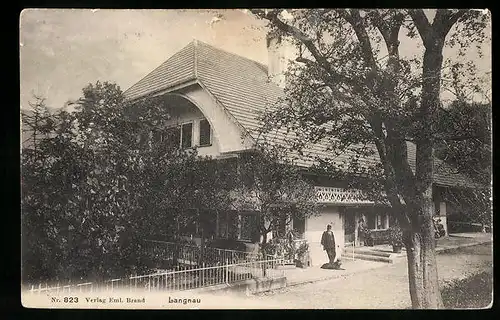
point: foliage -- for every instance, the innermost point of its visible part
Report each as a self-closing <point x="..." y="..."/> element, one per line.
<point x="274" y="187"/>
<point x="351" y="94"/>
<point x="471" y="292"/>
<point x="303" y="252"/>
<point x="471" y="156"/>
<point x="229" y="244"/>
<point x="396" y="236"/>
<point x="94" y="183"/>
<point x="285" y="246"/>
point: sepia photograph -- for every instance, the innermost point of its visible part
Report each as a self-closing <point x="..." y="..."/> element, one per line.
<point x="256" y="158"/>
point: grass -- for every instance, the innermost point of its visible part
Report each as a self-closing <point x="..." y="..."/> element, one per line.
<point x="472" y="292"/>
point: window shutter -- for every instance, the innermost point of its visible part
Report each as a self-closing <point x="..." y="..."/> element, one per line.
<point x="205" y="133"/>
<point x="187" y="135"/>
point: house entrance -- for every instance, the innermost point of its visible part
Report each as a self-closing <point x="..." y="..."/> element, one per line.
<point x="349" y="228"/>
<point x="359" y="218"/>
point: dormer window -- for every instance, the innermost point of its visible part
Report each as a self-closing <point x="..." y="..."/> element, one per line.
<point x="205" y="133"/>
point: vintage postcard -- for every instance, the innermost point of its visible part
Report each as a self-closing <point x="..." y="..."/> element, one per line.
<point x="256" y="159"/>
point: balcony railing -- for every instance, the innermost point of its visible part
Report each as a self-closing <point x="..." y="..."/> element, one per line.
<point x="340" y="196"/>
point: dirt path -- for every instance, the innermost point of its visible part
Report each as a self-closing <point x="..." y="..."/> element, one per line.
<point x="380" y="288"/>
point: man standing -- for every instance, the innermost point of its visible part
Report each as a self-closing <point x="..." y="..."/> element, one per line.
<point x="328" y="242"/>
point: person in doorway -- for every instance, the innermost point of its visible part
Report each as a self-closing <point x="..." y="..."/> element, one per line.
<point x="329" y="245"/>
<point x="361" y="231"/>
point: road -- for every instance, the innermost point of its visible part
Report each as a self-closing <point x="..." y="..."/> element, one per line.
<point x="385" y="288"/>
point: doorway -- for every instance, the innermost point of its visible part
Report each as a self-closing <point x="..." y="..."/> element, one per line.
<point x="349" y="228"/>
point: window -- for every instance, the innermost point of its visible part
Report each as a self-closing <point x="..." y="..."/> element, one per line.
<point x="164" y="138"/>
<point x="187" y="135"/>
<point x="248" y="224"/>
<point x="205" y="133"/>
<point x="382" y="221"/>
<point x="172" y="136"/>
<point x="371" y="223"/>
<point x="238" y="226"/>
<point x="228" y="225"/>
<point x="299" y="225"/>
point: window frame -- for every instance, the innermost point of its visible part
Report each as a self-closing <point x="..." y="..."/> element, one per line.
<point x="384" y="219"/>
<point x="228" y="232"/>
<point x="210" y="133"/>
<point x="181" y="125"/>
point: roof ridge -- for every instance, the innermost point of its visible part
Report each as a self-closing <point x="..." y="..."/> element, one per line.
<point x="229" y="52"/>
<point x="165" y="61"/>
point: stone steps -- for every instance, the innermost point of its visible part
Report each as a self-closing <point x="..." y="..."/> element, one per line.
<point x="370" y="257"/>
<point x="370" y="254"/>
<point x="373" y="252"/>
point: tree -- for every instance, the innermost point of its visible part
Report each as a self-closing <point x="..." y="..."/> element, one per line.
<point x="351" y="89"/>
<point x="37" y="123"/>
<point x="100" y="180"/>
<point x="273" y="187"/>
<point x="472" y="156"/>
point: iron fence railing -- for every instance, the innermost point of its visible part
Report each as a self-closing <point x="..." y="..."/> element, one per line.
<point x="182" y="254"/>
<point x="177" y="280"/>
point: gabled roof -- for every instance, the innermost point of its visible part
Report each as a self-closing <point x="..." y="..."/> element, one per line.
<point x="241" y="86"/>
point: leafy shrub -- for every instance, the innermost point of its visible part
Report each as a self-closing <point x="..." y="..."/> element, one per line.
<point x="472" y="292"/>
<point x="396" y="236"/>
<point x="228" y="244"/>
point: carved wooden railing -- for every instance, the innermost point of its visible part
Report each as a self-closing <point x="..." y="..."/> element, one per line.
<point x="340" y="196"/>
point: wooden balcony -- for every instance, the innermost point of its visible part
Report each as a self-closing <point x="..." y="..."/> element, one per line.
<point x="330" y="195"/>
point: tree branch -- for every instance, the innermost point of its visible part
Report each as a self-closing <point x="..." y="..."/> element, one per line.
<point x="445" y="19"/>
<point x="422" y="24"/>
<point x="354" y="18"/>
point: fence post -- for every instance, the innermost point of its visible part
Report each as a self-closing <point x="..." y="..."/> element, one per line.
<point x="39" y="288"/>
<point x="203" y="275"/>
<point x="227" y="271"/>
<point x="265" y="267"/>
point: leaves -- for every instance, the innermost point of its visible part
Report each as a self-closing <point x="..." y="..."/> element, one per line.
<point x="344" y="98"/>
<point x="91" y="192"/>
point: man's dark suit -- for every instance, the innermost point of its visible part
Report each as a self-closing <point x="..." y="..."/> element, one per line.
<point x="328" y="242"/>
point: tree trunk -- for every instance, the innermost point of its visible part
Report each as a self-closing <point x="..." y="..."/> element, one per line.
<point x="422" y="266"/>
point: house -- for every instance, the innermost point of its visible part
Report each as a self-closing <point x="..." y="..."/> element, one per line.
<point x="215" y="98"/>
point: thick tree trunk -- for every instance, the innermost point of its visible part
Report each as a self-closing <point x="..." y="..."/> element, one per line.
<point x="422" y="266"/>
<point x="422" y="269"/>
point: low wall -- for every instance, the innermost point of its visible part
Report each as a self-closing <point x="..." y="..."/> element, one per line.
<point x="246" y="286"/>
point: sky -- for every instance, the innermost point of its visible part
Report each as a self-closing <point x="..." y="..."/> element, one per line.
<point x="63" y="50"/>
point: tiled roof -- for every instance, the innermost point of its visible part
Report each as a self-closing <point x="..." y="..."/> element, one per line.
<point x="242" y="87"/>
<point x="177" y="69"/>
